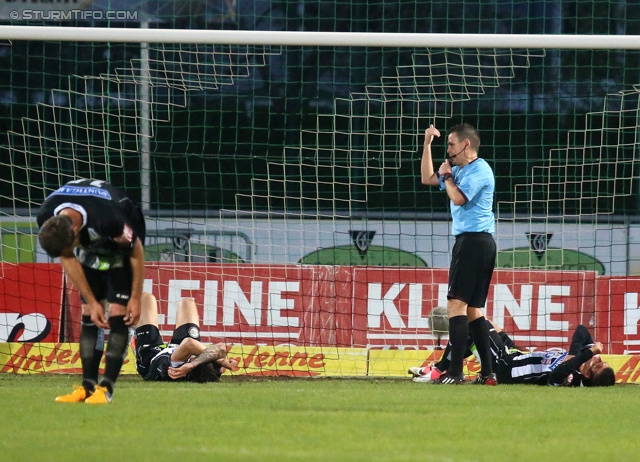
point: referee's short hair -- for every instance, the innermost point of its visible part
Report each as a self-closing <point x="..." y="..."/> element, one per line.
<point x="56" y="234"/>
<point x="467" y="132"/>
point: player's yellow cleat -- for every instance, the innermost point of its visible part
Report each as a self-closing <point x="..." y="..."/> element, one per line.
<point x="100" y="396"/>
<point x="78" y="395"/>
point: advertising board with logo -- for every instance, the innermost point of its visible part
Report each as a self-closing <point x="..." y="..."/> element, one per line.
<point x="31" y="299"/>
<point x="337" y="306"/>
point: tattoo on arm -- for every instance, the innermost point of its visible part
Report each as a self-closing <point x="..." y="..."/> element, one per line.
<point x="209" y="354"/>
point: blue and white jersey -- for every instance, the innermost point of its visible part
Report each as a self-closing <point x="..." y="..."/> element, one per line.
<point x="537" y="362"/>
<point x="477" y="183"/>
<point x="532" y="368"/>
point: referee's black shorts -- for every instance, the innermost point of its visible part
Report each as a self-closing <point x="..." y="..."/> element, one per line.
<point x="472" y="262"/>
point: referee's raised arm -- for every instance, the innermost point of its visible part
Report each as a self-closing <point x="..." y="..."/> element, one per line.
<point x="428" y="175"/>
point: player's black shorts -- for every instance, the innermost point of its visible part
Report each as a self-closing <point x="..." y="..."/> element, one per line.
<point x="472" y="262"/>
<point x="153" y="356"/>
<point x="149" y="344"/>
<point x="113" y="285"/>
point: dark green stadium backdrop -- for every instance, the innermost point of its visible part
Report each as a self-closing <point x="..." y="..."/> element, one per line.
<point x="210" y="150"/>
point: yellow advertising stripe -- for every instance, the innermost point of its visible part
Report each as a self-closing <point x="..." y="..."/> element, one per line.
<point x="30" y="358"/>
<point x="299" y="361"/>
<point x="392" y="363"/>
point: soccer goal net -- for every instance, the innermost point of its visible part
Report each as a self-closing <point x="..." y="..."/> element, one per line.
<point x="276" y="156"/>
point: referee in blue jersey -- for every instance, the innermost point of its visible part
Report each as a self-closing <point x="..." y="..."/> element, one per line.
<point x="470" y="184"/>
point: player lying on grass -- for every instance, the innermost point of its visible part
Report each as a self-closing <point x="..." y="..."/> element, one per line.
<point x="499" y="342"/>
<point x="580" y="366"/>
<point x="185" y="357"/>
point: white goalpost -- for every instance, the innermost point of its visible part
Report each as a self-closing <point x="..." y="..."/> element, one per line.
<point x="300" y="38"/>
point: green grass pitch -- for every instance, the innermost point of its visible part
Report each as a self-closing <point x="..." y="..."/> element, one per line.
<point x="241" y="419"/>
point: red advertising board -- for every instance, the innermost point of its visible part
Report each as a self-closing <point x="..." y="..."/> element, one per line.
<point x="243" y="304"/>
<point x="30" y="302"/>
<point x="338" y="306"/>
<point x="391" y="306"/>
<point x="539" y="309"/>
<point x="618" y="313"/>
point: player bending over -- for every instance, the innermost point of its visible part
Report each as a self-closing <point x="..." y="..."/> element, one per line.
<point x="98" y="234"/>
<point x="185" y="357"/>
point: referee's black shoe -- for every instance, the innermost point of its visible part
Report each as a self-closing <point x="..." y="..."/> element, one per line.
<point x="447" y="379"/>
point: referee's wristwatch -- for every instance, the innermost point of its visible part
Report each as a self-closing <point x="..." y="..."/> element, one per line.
<point x="446" y="176"/>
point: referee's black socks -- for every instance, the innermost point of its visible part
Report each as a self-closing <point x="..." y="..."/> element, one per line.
<point x="480" y="336"/>
<point x="458" y="335"/>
